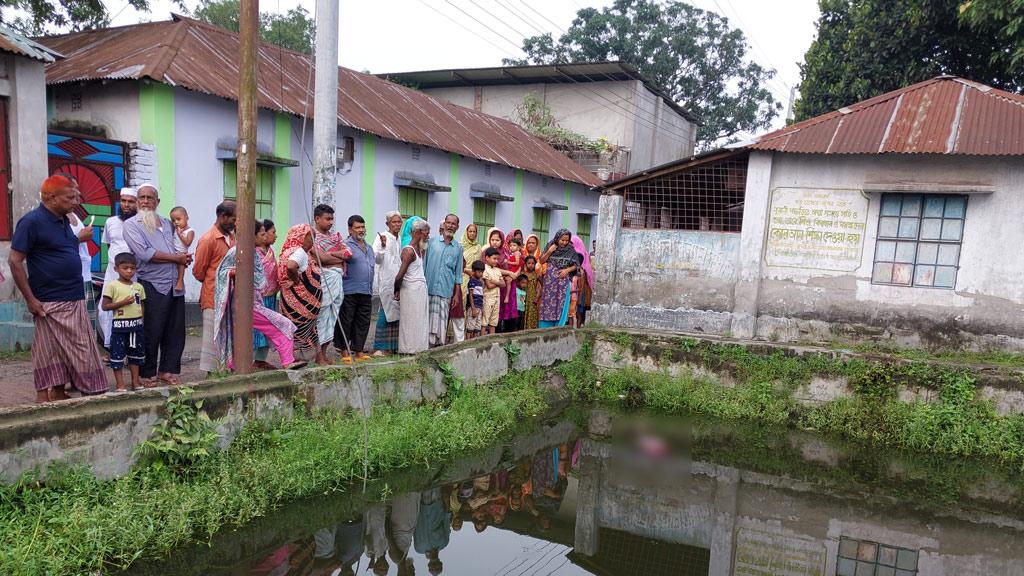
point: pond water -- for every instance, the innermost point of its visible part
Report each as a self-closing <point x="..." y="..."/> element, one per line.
<point x="635" y="495"/>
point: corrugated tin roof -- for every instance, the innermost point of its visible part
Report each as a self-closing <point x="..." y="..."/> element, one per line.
<point x="944" y="115"/>
<point x="534" y="74"/>
<point x="15" y="43"/>
<point x="200" y="57"/>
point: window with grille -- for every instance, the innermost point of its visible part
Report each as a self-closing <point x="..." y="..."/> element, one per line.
<point x="483" y="217"/>
<point x="264" y="188"/>
<point x="413" y="202"/>
<point x="542" y="224"/>
<point x="857" y="557"/>
<point x="583" y="222"/>
<point x="918" y="240"/>
<point x="705" y="197"/>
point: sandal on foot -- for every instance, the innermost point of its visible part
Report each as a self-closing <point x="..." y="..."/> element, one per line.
<point x="296" y="365"/>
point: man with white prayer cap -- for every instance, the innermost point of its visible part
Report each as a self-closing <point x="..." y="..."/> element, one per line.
<point x="114" y="239"/>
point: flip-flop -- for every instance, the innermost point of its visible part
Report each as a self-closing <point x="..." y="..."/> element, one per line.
<point x="345" y="360"/>
<point x="169" y="380"/>
<point x="296" y="365"/>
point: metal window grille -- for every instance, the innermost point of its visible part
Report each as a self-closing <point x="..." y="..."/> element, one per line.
<point x="706" y="197"/>
<point x="416" y="150"/>
<point x="918" y="240"/>
<point x="862" y="557"/>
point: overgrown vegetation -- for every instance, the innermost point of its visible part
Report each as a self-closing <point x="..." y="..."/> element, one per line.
<point x="72" y="523"/>
<point x="536" y="117"/>
<point x="956" y="423"/>
<point x="182" y="438"/>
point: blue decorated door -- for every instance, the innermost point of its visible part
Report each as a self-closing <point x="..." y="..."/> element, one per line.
<point x="99" y="166"/>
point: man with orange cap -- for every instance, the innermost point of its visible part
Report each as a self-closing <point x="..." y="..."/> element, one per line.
<point x="64" y="349"/>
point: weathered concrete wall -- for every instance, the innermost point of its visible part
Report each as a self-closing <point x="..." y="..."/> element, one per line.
<point x="102" y="432"/>
<point x="802" y="270"/>
<point x="626" y="113"/>
<point x="23" y="83"/>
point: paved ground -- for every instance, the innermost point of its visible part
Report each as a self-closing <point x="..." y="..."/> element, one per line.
<point x="16" y="375"/>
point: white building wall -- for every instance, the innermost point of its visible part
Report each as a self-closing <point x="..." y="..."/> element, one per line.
<point x="113" y="107"/>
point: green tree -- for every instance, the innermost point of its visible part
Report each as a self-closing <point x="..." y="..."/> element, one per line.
<point x="868" y="47"/>
<point x="1008" y="17"/>
<point x="693" y="55"/>
<point x="36" y="17"/>
<point x="293" y="30"/>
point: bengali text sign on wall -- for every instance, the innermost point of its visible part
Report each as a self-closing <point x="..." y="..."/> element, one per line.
<point x="816" y="228"/>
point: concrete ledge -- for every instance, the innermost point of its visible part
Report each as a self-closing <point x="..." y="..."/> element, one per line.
<point x="103" y="431"/>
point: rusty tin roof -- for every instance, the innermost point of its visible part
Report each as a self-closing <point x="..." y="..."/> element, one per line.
<point x="11" y="41"/>
<point x="944" y="115"/>
<point x="203" y="58"/>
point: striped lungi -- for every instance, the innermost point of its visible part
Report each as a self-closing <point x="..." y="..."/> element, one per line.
<point x="438" y="307"/>
<point x="64" y="349"/>
<point x="90" y="305"/>
<point x="385" y="337"/>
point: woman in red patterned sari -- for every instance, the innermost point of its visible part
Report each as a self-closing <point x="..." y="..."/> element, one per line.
<point x="299" y="277"/>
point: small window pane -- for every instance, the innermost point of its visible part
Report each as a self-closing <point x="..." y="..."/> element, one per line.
<point x="949" y="254"/>
<point x="911" y="206"/>
<point x="926" y="253"/>
<point x="945" y="276"/>
<point x="933" y="207"/>
<point x="951" y="229"/>
<point x="908" y="227"/>
<point x="882" y="273"/>
<point x="902" y="273"/>
<point x="885" y="250"/>
<point x="905" y="251"/>
<point x="890" y="205"/>
<point x="924" y="275"/>
<point x="888" y="227"/>
<point x="931" y="228"/>
<point x="955" y="207"/>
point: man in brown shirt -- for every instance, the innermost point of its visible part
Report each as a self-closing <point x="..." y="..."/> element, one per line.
<point x="209" y="252"/>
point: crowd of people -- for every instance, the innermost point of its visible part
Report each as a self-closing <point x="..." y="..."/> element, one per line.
<point x="393" y="533"/>
<point x="318" y="293"/>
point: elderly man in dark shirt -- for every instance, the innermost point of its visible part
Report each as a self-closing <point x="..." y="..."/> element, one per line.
<point x="151" y="238"/>
<point x="64" y="349"/>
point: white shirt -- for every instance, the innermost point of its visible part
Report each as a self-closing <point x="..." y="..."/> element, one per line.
<point x="300" y="257"/>
<point x="83" y="251"/>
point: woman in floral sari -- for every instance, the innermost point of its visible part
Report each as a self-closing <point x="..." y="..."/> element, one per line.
<point x="562" y="262"/>
<point x="299" y="278"/>
<point x="275" y="327"/>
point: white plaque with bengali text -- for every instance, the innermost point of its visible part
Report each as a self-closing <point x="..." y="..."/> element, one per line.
<point x="764" y="553"/>
<point x="816" y="228"/>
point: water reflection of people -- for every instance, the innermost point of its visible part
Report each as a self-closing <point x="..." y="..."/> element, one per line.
<point x="405" y="510"/>
<point x="433" y="529"/>
<point x="338" y="548"/>
<point x="375" y="539"/>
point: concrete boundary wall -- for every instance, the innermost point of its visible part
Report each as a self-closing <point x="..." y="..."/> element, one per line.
<point x="103" y="431"/>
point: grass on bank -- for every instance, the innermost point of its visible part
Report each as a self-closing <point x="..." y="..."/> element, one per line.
<point x="75" y="524"/>
<point x="958" y="424"/>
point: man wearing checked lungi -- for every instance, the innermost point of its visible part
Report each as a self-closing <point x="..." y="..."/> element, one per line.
<point x="64" y="349"/>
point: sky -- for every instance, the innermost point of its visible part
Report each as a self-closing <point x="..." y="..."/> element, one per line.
<point x="407" y="35"/>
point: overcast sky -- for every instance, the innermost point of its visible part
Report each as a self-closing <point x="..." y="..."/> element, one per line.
<point x="405" y="35"/>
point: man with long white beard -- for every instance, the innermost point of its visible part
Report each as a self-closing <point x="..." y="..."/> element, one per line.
<point x="443" y="268"/>
<point x="354" y="322"/>
<point x="151" y="238"/>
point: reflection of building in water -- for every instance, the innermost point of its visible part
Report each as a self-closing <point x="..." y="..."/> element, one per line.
<point x="722" y="521"/>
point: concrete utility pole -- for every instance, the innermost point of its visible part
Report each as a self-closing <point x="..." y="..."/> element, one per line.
<point x="248" y="28"/>
<point x="325" y="103"/>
